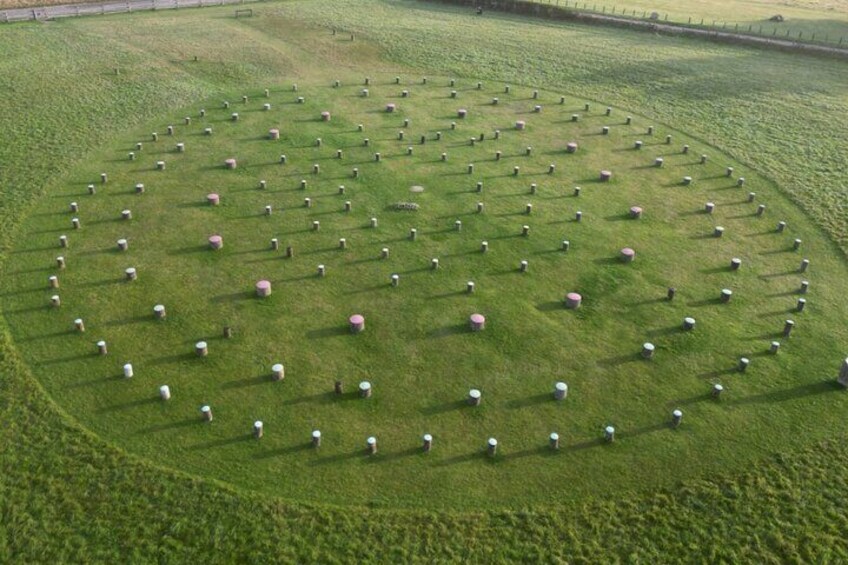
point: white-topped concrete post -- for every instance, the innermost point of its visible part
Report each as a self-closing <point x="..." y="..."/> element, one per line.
<point x="365" y="389"/>
<point x="560" y="391"/>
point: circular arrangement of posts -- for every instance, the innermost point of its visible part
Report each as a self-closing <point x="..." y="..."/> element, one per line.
<point x="509" y="268"/>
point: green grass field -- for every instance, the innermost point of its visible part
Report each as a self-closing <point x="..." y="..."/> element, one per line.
<point x="68" y="495"/>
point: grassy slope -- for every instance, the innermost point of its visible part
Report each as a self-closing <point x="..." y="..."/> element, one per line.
<point x="63" y="494"/>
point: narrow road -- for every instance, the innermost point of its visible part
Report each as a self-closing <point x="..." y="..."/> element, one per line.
<point x="44" y="13"/>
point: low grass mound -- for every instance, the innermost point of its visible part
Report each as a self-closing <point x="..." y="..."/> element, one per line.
<point x="341" y="196"/>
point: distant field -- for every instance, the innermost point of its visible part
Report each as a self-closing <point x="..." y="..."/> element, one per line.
<point x="803" y="19"/>
<point x="825" y="21"/>
<point x="822" y="22"/>
<point x="66" y="495"/>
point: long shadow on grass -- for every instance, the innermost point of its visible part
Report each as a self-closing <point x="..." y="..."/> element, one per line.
<point x="232" y="297"/>
<point x="33" y="250"/>
<point x="443" y="408"/>
<point x="127" y="321"/>
<point x="129" y="405"/>
<point x="283" y="451"/>
<point x="370" y="289"/>
<point x="530" y="401"/>
<point x="189" y="250"/>
<point x="690" y="400"/>
<point x="178" y="358"/>
<point x="643" y="430"/>
<point x="715" y="270"/>
<point x="530" y="451"/>
<point x="26" y="309"/>
<point x="321" y="397"/>
<point x="221" y="442"/>
<point x="619" y="360"/>
<point x="464" y="458"/>
<point x="46" y="336"/>
<point x="783" y="312"/>
<point x="664" y="331"/>
<point x="242" y="383"/>
<point x="338" y="458"/>
<point x="68" y="359"/>
<point x="383" y="457"/>
<point x="608" y="261"/>
<point x="33" y="270"/>
<point x="170" y="426"/>
<point x="94" y="382"/>
<point x="649" y="301"/>
<point x="331" y="331"/>
<point x="707" y="302"/>
<point x="777" y="251"/>
<point x="766" y="336"/>
<point x="800" y="391"/>
<point x="778" y="275"/>
<point x="552" y="306"/>
<point x="102" y="282"/>
<point x="710" y="375"/>
<point x="794" y="292"/>
<point x="597" y="442"/>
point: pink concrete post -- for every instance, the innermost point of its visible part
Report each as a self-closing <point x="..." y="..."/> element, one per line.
<point x="477" y="322"/>
<point x="573" y="300"/>
<point x="263" y="288"/>
<point x="357" y="323"/>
